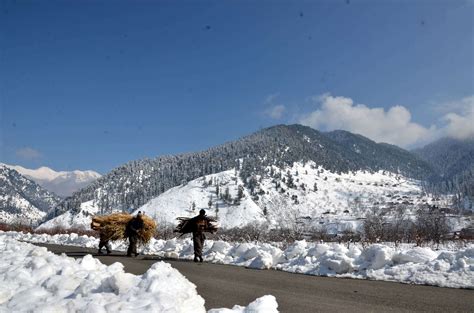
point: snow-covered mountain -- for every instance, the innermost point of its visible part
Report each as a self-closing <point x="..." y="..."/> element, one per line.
<point x="303" y="193"/>
<point x="62" y="183"/>
<point x="22" y="200"/>
<point x="134" y="184"/>
<point x="282" y="174"/>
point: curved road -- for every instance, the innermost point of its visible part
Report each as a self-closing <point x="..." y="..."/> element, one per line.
<point x="226" y="285"/>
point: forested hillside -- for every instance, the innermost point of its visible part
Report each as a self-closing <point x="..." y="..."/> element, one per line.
<point x="453" y="161"/>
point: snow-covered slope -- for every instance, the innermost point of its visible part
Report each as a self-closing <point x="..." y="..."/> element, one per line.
<point x="301" y="193"/>
<point x="81" y="220"/>
<point x="62" y="183"/>
<point x="178" y="201"/>
<point x="22" y="200"/>
<point x="317" y="196"/>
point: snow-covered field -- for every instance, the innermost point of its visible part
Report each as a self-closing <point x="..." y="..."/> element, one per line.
<point x="36" y="280"/>
<point x="450" y="266"/>
<point x="321" y="198"/>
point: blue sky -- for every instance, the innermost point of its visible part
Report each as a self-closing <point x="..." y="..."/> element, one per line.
<point x="94" y="84"/>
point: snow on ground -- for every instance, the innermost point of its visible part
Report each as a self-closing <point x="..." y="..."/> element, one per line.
<point x="339" y="199"/>
<point x="339" y="202"/>
<point x="450" y="266"/>
<point x="265" y="304"/>
<point x="36" y="280"/>
<point x="178" y="201"/>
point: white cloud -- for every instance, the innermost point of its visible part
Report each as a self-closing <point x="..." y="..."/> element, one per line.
<point x="28" y="153"/>
<point x="271" y="98"/>
<point x="460" y="123"/>
<point x="391" y="126"/>
<point x="274" y="111"/>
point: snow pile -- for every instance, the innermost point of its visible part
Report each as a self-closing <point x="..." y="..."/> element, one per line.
<point x="381" y="262"/>
<point x="35" y="280"/>
<point x="263" y="304"/>
<point x="447" y="267"/>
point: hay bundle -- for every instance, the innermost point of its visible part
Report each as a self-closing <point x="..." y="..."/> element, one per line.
<point x="114" y="227"/>
<point x="186" y="225"/>
<point x="148" y="230"/>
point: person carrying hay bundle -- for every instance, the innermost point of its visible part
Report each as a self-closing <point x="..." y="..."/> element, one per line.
<point x="197" y="225"/>
<point x="123" y="226"/>
<point x="111" y="228"/>
<point x="133" y="227"/>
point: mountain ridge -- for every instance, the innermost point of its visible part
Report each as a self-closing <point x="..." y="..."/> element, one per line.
<point x="62" y="183"/>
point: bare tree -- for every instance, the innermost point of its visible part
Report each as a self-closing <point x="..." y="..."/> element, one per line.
<point x="431" y="224"/>
<point x="373" y="226"/>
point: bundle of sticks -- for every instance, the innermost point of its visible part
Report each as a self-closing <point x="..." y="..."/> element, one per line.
<point x="187" y="224"/>
<point x="113" y="227"/>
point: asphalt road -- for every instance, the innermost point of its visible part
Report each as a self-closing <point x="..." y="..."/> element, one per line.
<point x="226" y="285"/>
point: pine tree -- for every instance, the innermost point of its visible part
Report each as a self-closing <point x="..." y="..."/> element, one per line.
<point x="240" y="192"/>
<point x="226" y="194"/>
<point x="289" y="180"/>
<point x="240" y="195"/>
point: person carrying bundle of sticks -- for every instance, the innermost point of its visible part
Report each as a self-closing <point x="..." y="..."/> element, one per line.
<point x="197" y="225"/>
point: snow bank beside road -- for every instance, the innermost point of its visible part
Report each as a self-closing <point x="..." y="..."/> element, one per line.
<point x="35" y="280"/>
<point x="263" y="304"/>
<point x="408" y="264"/>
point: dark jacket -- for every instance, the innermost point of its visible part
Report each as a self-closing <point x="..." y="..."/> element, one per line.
<point x="200" y="224"/>
<point x="134" y="226"/>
